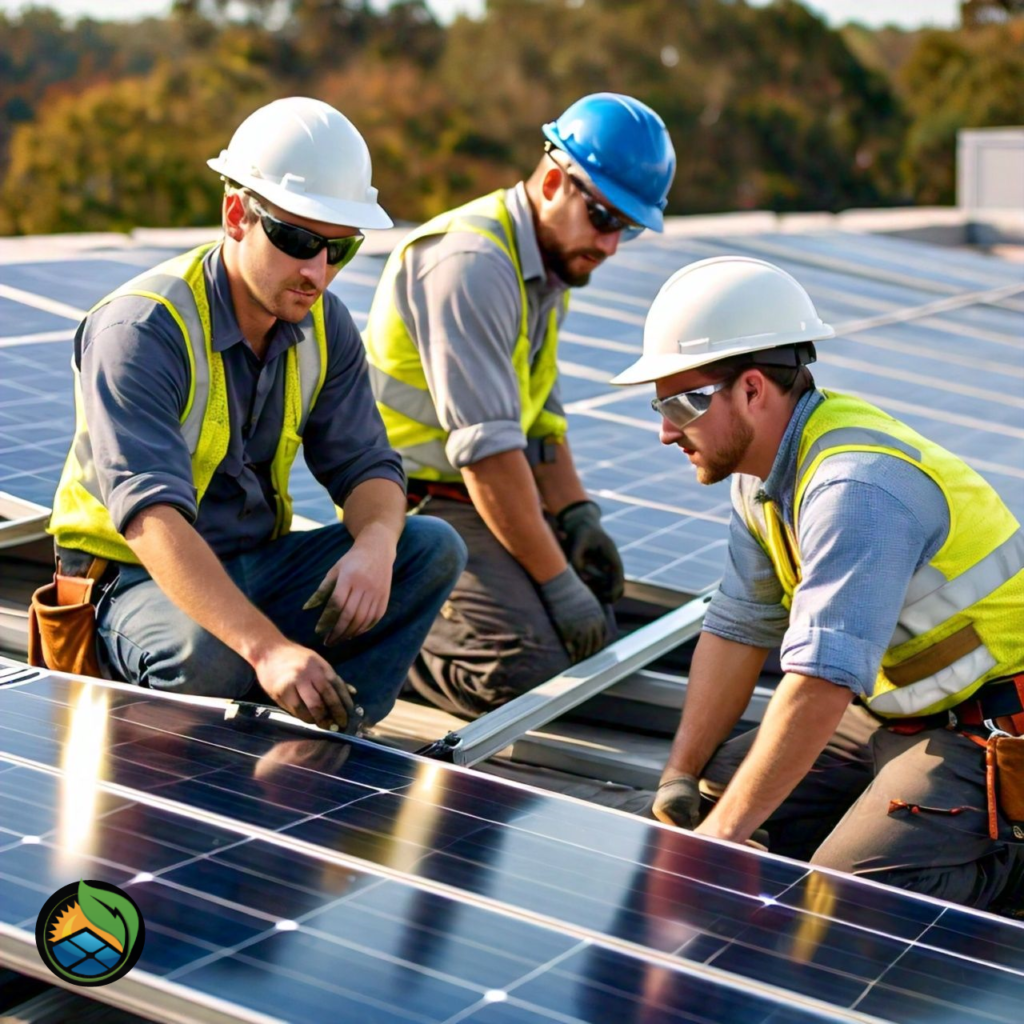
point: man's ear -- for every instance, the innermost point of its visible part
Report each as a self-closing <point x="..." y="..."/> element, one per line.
<point x="233" y="216"/>
<point x="552" y="182"/>
<point x="754" y="386"/>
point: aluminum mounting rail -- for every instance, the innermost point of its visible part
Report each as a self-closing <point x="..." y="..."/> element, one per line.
<point x="483" y="738"/>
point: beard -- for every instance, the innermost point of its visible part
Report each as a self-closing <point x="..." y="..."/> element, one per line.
<point x="723" y="463"/>
<point x="557" y="258"/>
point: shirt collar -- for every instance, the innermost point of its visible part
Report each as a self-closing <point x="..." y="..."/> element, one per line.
<point x="225" y="331"/>
<point x="779" y="485"/>
<point x="520" y="211"/>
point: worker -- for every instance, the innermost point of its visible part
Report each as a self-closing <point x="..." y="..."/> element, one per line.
<point x="462" y="342"/>
<point x="886" y="569"/>
<point x="195" y="385"/>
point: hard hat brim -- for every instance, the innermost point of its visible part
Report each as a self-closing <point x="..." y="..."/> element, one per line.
<point x="329" y="210"/>
<point x="656" y="366"/>
<point x="650" y="217"/>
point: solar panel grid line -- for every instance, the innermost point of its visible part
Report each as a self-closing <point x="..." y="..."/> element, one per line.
<point x="937" y="414"/>
<point x="666" y="960"/>
<point x="462" y="1015"/>
<point x="137" y="992"/>
<point x="972" y="331"/>
<point x="830" y="358"/>
<point x="954" y="359"/>
<point x="34" y="301"/>
<point x="931" y="308"/>
<point x="626" y="498"/>
<point x="775" y="247"/>
<point x="40" y="338"/>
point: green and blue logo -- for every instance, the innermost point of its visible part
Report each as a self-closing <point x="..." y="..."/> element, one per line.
<point x="90" y="933"/>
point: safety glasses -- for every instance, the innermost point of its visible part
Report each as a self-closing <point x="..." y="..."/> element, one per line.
<point x="303" y="244"/>
<point x="604" y="220"/>
<point x="682" y="409"/>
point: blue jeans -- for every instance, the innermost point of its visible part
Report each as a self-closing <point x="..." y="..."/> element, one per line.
<point x="149" y="641"/>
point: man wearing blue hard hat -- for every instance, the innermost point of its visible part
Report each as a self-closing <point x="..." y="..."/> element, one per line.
<point x="462" y="345"/>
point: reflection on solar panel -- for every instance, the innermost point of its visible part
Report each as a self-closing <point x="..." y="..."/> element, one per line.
<point x="282" y="875"/>
<point x="932" y="335"/>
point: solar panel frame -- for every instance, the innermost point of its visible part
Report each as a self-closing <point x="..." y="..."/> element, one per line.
<point x="590" y="878"/>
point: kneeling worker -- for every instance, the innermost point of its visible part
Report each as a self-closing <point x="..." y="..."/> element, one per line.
<point x="462" y="344"/>
<point x="888" y="570"/>
<point x="195" y="385"/>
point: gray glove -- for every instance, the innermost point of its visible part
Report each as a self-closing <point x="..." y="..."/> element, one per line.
<point x="590" y="551"/>
<point x="678" y="802"/>
<point x="577" y="616"/>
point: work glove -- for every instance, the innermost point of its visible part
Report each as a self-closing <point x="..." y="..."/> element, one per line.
<point x="677" y="802"/>
<point x="590" y="551"/>
<point x="579" y="619"/>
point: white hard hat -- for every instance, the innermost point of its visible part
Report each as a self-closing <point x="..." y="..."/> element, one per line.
<point x="719" y="308"/>
<point x="307" y="158"/>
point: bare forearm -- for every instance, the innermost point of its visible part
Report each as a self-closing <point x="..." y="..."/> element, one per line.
<point x="722" y="677"/>
<point x="801" y="718"/>
<point x="190" y="574"/>
<point x="504" y="492"/>
<point x="558" y="482"/>
<point x="375" y="510"/>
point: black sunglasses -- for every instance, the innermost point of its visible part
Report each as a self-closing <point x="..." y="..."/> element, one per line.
<point x="303" y="244"/>
<point x="601" y="218"/>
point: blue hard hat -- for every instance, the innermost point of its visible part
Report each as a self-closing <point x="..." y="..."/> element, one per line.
<point x="623" y="147"/>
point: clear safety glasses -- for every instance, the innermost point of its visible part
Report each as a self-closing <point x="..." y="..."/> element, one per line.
<point x="682" y="409"/>
<point x="303" y="244"/>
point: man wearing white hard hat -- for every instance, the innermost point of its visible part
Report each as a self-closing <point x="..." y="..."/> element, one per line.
<point x="462" y="342"/>
<point x="196" y="383"/>
<point x="889" y="573"/>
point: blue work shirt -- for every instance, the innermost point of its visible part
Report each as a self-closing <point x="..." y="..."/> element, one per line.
<point x="868" y="522"/>
<point x="135" y="384"/>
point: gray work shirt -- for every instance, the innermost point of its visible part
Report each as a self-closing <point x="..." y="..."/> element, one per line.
<point x="459" y="298"/>
<point x="868" y="522"/>
<point x="135" y="384"/>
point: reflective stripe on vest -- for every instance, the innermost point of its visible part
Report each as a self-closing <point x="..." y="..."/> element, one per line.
<point x="79" y="519"/>
<point x="396" y="369"/>
<point x="956" y="629"/>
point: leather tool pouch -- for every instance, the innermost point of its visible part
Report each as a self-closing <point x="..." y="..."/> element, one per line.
<point x="62" y="623"/>
<point x="1004" y="775"/>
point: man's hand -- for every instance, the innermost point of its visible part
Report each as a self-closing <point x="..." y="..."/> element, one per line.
<point x="578" y="618"/>
<point x="678" y="802"/>
<point x="305" y="685"/>
<point x="590" y="551"/>
<point x="355" y="592"/>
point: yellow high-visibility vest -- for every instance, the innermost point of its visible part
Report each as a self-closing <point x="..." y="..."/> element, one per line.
<point x="396" y="369"/>
<point x="962" y="620"/>
<point x="80" y="520"/>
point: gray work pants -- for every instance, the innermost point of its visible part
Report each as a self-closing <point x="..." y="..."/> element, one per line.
<point x="839" y="815"/>
<point x="493" y="639"/>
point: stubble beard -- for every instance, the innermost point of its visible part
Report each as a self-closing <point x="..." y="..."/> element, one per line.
<point x="724" y="462"/>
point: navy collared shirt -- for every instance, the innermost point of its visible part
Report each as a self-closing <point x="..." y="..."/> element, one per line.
<point x="135" y="384"/>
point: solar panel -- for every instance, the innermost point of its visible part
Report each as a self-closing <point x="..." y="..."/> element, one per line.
<point x="285" y="874"/>
<point x="923" y="332"/>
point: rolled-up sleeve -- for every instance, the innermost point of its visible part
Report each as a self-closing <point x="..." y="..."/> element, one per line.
<point x="345" y="442"/>
<point x="461" y="302"/>
<point x="135" y="383"/>
<point x="747" y="606"/>
<point x="860" y="545"/>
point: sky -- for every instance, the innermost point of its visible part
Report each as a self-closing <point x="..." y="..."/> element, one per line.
<point x="915" y="14"/>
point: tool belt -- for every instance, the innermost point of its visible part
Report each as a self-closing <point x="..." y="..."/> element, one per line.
<point x="420" y="490"/>
<point x="998" y="708"/>
<point x="1000" y="702"/>
<point x="62" y="619"/>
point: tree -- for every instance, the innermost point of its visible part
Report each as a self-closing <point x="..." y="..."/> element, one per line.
<point x="131" y="152"/>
